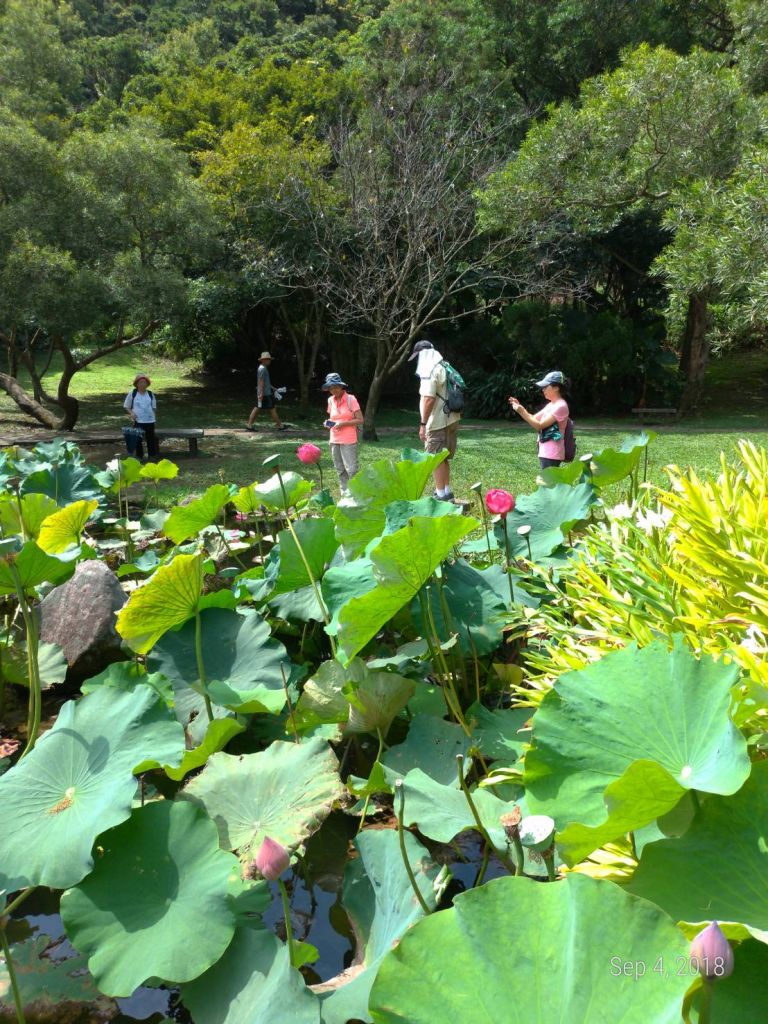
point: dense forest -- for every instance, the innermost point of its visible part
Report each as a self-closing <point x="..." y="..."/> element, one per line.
<point x="579" y="183"/>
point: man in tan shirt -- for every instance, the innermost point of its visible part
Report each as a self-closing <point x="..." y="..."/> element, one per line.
<point x="438" y="428"/>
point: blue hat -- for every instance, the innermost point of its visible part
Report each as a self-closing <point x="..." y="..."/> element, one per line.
<point x="419" y="347"/>
<point x="553" y="377"/>
<point x="332" y="380"/>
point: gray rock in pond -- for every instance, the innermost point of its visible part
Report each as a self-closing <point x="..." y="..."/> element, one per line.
<point x="79" y="616"/>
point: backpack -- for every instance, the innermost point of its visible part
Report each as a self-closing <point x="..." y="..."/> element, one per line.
<point x="136" y="391"/>
<point x="453" y="399"/>
<point x="570" y="441"/>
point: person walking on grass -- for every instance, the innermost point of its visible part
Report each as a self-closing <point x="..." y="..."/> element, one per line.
<point x="265" y="394"/>
<point x="141" y="406"/>
<point x="551" y="421"/>
<point x="438" y="427"/>
<point x="344" y="418"/>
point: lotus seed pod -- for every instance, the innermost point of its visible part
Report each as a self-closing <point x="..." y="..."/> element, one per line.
<point x="272" y="859"/>
<point x="537" y="832"/>
<point x="711" y="952"/>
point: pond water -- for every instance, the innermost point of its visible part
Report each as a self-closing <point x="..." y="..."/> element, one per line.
<point x="317" y="915"/>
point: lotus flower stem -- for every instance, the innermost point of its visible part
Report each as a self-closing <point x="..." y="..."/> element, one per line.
<point x="287" y="916"/>
<point x="483" y="866"/>
<point x="508" y="559"/>
<point x="437" y="652"/>
<point x="290" y="706"/>
<point x="368" y="795"/>
<point x="12" y="975"/>
<point x="33" y="669"/>
<point x="705" y="1003"/>
<point x="548" y="856"/>
<point x="201" y="665"/>
<point x="450" y="623"/>
<point x="478" y="489"/>
<point x="10" y="907"/>
<point x="476" y="664"/>
<point x="401" y="836"/>
<point x="318" y="596"/>
<point x="478" y="822"/>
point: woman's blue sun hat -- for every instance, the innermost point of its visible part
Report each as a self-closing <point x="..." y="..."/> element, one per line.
<point x="332" y="380"/>
<point x="553" y="377"/>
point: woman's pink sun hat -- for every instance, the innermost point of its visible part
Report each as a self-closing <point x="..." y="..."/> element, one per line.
<point x="141" y="376"/>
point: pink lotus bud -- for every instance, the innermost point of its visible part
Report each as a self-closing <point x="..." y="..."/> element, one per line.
<point x="499" y="502"/>
<point x="309" y="454"/>
<point x="272" y="859"/>
<point x="711" y="952"/>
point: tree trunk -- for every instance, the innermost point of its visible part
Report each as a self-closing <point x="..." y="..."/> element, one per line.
<point x="694" y="353"/>
<point x="372" y="400"/>
<point x="69" y="405"/>
<point x="27" y="403"/>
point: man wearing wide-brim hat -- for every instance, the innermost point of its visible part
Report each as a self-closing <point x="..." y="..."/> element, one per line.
<point x="141" y="406"/>
<point x="265" y="394"/>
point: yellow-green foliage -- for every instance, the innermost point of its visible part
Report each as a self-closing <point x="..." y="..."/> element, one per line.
<point x="694" y="561"/>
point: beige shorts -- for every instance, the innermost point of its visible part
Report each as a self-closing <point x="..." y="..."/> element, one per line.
<point x="446" y="437"/>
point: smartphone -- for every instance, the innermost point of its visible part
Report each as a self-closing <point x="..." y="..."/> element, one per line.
<point x="330" y="423"/>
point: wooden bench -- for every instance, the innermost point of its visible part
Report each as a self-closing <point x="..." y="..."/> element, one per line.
<point x="189" y="434"/>
<point x="644" y="414"/>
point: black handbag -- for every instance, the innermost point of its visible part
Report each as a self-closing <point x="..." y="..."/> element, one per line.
<point x="133" y="438"/>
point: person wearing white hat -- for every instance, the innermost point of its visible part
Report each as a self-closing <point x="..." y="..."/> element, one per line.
<point x="438" y="426"/>
<point x="141" y="406"/>
<point x="551" y="421"/>
<point x="265" y="394"/>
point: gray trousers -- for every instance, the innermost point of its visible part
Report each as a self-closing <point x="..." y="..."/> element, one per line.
<point x="345" y="460"/>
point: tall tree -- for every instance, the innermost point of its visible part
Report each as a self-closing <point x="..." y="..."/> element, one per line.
<point x="636" y="141"/>
<point x="95" y="239"/>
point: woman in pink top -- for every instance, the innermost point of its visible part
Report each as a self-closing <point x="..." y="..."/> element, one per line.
<point x="554" y="415"/>
<point x="344" y="417"/>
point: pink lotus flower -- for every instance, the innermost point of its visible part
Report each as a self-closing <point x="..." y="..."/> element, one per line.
<point x="309" y="454"/>
<point x="499" y="502"/>
<point x="272" y="859"/>
<point x="711" y="952"/>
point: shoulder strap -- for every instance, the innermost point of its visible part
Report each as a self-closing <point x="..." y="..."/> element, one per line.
<point x="133" y="396"/>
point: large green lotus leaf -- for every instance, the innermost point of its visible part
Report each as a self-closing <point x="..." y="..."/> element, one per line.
<point x="127" y="675"/>
<point x="568" y="473"/>
<point x="284" y="792"/>
<point x="34" y="567"/>
<point x="402" y="564"/>
<point x="245" y="501"/>
<point x="375" y="487"/>
<point x="550" y="512"/>
<point x="253" y="983"/>
<point x="64" y="483"/>
<point x="381" y="906"/>
<point x="645" y="792"/>
<point x="49" y="987"/>
<point x="442" y="811"/>
<point x="431" y="745"/>
<point x="535" y="954"/>
<point x="298" y="605"/>
<point x="354" y="697"/>
<point x="343" y="582"/>
<point x="397" y="513"/>
<point x="614" y="464"/>
<point x="26" y="514"/>
<point x="716" y="870"/>
<point x="501" y="735"/>
<point x="218" y="733"/>
<point x="276" y="497"/>
<point x="241" y="659"/>
<point x="63" y="528"/>
<point x="156" y="904"/>
<point x="285" y="566"/>
<point x="653" y="704"/>
<point x="476" y="611"/>
<point x="188" y="520"/>
<point x="162" y="470"/>
<point x="51" y="665"/>
<point x="77" y="782"/>
<point x="168" y="599"/>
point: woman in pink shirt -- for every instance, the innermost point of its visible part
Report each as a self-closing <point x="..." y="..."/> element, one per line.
<point x="344" y="417"/>
<point x="551" y="421"/>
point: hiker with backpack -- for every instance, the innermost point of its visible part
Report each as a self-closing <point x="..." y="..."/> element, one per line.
<point x="553" y="422"/>
<point x="344" y="420"/>
<point x="441" y="400"/>
<point x="141" y="406"/>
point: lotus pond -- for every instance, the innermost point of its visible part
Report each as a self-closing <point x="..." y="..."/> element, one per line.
<point x="389" y="759"/>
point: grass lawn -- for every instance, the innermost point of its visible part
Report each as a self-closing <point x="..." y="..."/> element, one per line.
<point x="499" y="454"/>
